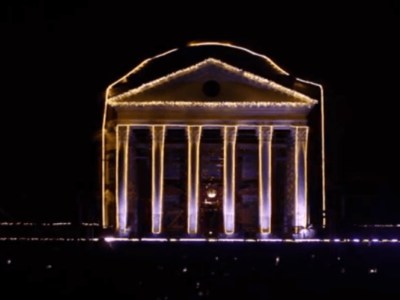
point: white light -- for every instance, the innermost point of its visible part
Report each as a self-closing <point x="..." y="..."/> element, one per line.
<point x="48" y="267"/>
<point x="356" y="240"/>
<point x="216" y="258"/>
<point x="235" y="258"/>
<point x="338" y="258"/>
<point x="394" y="240"/>
<point x="211" y="193"/>
<point x="375" y="240"/>
<point x="192" y="240"/>
<point x="9" y="261"/>
<point x="277" y="261"/>
<point x="210" y="232"/>
<point x="184" y="270"/>
<point x="116" y="100"/>
<point x="230" y="240"/>
<point x="109" y="239"/>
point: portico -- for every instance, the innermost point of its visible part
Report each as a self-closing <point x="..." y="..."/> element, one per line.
<point x="183" y="112"/>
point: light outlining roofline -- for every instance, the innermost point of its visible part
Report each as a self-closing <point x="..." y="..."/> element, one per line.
<point x="213" y="61"/>
<point x="103" y="154"/>
<point x="208" y="104"/>
<point x="322" y="148"/>
<point x="195" y="44"/>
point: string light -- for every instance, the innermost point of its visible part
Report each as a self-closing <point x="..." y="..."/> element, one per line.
<point x="158" y="135"/>
<point x="265" y="136"/>
<point x="301" y="147"/>
<point x="121" y="239"/>
<point x="266" y="83"/>
<point x="104" y="130"/>
<point x="322" y="146"/>
<point x="154" y="240"/>
<point x="230" y="240"/>
<point x="214" y="104"/>
<point x="194" y="134"/>
<point x="229" y="195"/>
<point x="270" y="61"/>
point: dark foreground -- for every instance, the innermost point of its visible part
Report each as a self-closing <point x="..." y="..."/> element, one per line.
<point x="199" y="270"/>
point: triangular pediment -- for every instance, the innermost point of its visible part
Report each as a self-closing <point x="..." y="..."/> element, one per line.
<point x="236" y="86"/>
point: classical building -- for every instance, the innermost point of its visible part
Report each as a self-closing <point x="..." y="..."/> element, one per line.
<point x="212" y="140"/>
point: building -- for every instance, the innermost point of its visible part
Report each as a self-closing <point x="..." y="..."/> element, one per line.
<point x="212" y="140"/>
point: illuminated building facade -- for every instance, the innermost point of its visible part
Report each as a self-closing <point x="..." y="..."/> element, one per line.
<point x="212" y="140"/>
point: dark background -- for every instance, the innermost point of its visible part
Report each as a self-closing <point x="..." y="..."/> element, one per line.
<point x="59" y="57"/>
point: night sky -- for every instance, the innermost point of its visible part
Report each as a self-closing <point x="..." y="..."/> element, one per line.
<point x="59" y="58"/>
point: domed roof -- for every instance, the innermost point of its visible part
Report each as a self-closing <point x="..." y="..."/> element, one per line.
<point x="177" y="59"/>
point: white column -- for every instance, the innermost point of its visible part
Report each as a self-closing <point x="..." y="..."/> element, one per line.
<point x="157" y="176"/>
<point x="265" y="168"/>
<point x="193" y="134"/>
<point x="229" y="178"/>
<point x="122" y="178"/>
<point x="300" y="176"/>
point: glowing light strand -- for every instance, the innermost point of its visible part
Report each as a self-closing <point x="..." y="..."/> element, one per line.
<point x="211" y="104"/>
<point x="274" y="65"/>
<point x="158" y="136"/>
<point x="104" y="130"/>
<point x="265" y="145"/>
<point x="193" y="133"/>
<point x="230" y="133"/>
<point x="256" y="79"/>
<point x="322" y="147"/>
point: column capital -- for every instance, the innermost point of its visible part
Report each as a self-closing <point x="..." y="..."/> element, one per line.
<point x="230" y="133"/>
<point x="122" y="133"/>
<point x="193" y="133"/>
<point x="158" y="133"/>
<point x="299" y="133"/>
<point x="265" y="133"/>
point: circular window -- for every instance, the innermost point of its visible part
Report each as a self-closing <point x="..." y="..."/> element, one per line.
<point x="211" y="88"/>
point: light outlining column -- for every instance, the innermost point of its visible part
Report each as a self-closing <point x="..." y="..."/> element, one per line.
<point x="265" y="167"/>
<point x="229" y="178"/>
<point x="322" y="147"/>
<point x="193" y="134"/>
<point x="300" y="169"/>
<point x="122" y="178"/>
<point x="157" y="176"/>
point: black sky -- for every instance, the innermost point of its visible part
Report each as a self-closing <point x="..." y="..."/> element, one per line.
<point x="60" y="57"/>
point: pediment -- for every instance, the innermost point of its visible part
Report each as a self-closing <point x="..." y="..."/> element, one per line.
<point x="186" y="87"/>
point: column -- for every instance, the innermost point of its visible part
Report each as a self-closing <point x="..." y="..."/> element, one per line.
<point x="122" y="178"/>
<point x="229" y="178"/>
<point x="132" y="186"/>
<point x="193" y="134"/>
<point x="300" y="176"/>
<point x="265" y="168"/>
<point x="157" y="176"/>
